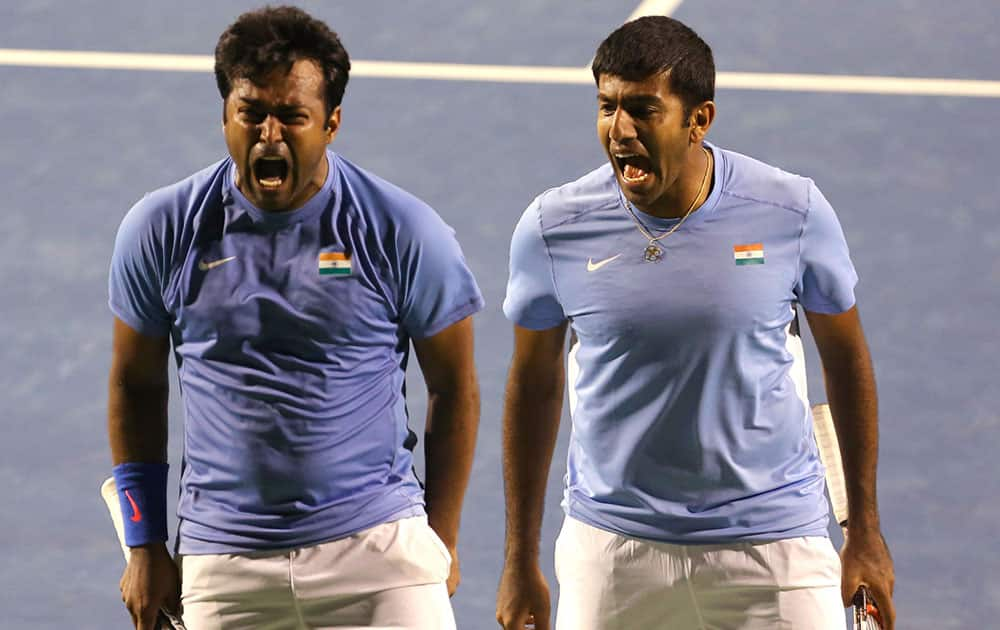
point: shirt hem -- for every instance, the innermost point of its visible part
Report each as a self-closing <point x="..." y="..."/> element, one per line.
<point x="136" y="324"/>
<point x="191" y="546"/>
<point x="470" y="308"/>
<point x="648" y="532"/>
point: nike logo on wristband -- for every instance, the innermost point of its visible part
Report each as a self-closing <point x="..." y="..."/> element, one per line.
<point x="136" y="514"/>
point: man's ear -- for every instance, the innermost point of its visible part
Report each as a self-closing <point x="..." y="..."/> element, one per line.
<point x="701" y="120"/>
<point x="333" y="124"/>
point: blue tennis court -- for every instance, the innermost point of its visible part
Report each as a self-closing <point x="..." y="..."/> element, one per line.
<point x="911" y="172"/>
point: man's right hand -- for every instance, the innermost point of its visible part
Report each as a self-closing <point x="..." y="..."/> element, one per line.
<point x="150" y="582"/>
<point x="523" y="597"/>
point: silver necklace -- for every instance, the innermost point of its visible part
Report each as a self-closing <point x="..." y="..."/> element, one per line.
<point x="653" y="251"/>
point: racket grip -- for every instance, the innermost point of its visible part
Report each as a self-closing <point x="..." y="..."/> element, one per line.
<point x="866" y="613"/>
<point x="166" y="621"/>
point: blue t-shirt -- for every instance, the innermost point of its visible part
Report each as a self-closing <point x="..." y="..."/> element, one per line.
<point x="687" y="423"/>
<point x="291" y="334"/>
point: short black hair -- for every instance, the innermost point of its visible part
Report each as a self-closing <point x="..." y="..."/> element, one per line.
<point x="273" y="38"/>
<point x="653" y="44"/>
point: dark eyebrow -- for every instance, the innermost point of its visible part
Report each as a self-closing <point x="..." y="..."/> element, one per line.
<point x="633" y="101"/>
<point x="253" y="102"/>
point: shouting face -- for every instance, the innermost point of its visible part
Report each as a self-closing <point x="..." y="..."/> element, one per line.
<point x="277" y="133"/>
<point x="652" y="143"/>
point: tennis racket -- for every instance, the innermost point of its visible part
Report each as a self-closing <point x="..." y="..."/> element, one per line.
<point x="109" y="492"/>
<point x="865" y="609"/>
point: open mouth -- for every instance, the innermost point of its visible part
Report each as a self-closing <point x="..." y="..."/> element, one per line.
<point x="634" y="168"/>
<point x="270" y="171"/>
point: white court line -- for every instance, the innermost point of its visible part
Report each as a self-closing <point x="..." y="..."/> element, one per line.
<point x="516" y="74"/>
<point x="654" y="7"/>
<point x="857" y="84"/>
<point x="471" y="72"/>
<point x="105" y="60"/>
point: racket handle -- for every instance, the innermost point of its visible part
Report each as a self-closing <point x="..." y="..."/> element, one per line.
<point x="865" y="610"/>
<point x="166" y="621"/>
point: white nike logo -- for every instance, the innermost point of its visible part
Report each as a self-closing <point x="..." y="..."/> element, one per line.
<point x="205" y="266"/>
<point x="594" y="266"/>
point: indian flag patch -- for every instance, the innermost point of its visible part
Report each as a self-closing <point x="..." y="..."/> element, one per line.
<point x="334" y="264"/>
<point x="749" y="254"/>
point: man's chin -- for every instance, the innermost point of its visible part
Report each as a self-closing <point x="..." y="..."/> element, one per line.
<point x="636" y="191"/>
<point x="271" y="199"/>
<point x="638" y="196"/>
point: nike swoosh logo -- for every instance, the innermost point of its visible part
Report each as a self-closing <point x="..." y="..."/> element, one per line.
<point x="205" y="266"/>
<point x="594" y="266"/>
<point x="136" y="514"/>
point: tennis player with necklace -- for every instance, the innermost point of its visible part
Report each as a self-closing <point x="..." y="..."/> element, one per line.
<point x="653" y="253"/>
<point x="694" y="494"/>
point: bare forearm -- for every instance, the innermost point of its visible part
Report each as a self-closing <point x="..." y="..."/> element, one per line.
<point x="850" y="384"/>
<point x="137" y="422"/>
<point x="850" y="388"/>
<point x="137" y="396"/>
<point x="450" y="441"/>
<point x="530" y="427"/>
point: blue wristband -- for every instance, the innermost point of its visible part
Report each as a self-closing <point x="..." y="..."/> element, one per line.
<point x="142" y="495"/>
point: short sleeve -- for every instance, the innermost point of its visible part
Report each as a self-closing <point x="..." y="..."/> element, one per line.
<point x="826" y="275"/>
<point x="437" y="287"/>
<point x="531" y="300"/>
<point x="135" y="281"/>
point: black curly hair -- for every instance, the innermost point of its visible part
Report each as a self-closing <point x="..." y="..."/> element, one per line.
<point x="273" y="38"/>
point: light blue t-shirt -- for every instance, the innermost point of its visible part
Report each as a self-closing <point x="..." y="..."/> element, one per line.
<point x="291" y="334"/>
<point x="687" y="424"/>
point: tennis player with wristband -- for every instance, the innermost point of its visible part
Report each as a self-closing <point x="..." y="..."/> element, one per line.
<point x="694" y="492"/>
<point x="290" y="284"/>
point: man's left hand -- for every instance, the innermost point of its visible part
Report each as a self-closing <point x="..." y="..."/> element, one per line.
<point x="866" y="561"/>
<point x="455" y="575"/>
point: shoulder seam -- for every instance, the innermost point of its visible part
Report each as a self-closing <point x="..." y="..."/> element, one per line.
<point x="570" y="217"/>
<point x="798" y="243"/>
<point x="767" y="202"/>
<point x="548" y="251"/>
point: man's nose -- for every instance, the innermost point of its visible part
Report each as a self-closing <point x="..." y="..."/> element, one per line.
<point x="622" y="127"/>
<point x="270" y="129"/>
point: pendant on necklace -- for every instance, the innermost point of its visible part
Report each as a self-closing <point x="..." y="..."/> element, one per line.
<point x="652" y="253"/>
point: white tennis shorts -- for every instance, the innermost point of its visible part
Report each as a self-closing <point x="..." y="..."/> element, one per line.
<point x="613" y="582"/>
<point x="391" y="576"/>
